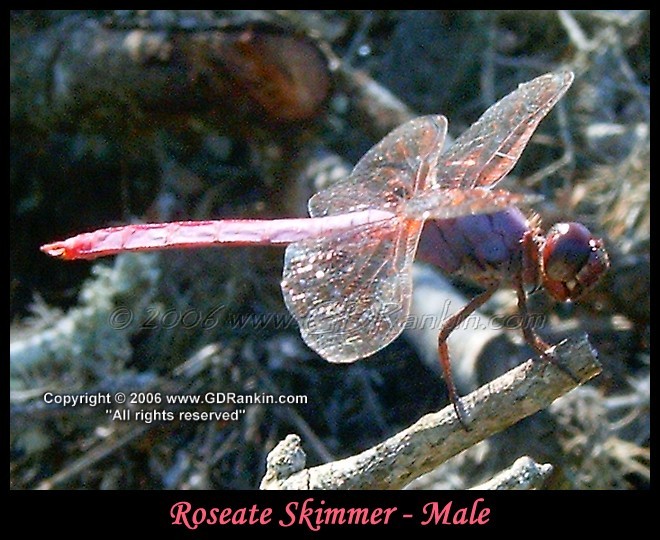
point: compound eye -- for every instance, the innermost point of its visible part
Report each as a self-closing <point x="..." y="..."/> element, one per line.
<point x="573" y="261"/>
<point x="567" y="249"/>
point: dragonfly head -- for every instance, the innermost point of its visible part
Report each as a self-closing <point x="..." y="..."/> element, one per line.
<point x="573" y="261"/>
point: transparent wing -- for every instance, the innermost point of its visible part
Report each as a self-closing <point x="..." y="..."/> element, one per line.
<point x="491" y="147"/>
<point x="456" y="202"/>
<point x="350" y="292"/>
<point x="393" y="170"/>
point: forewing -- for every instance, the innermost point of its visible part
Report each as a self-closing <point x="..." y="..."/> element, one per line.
<point x="393" y="170"/>
<point x="457" y="202"/>
<point x="350" y="292"/>
<point x="491" y="147"/>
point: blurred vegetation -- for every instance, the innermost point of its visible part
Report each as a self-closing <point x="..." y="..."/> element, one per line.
<point x="75" y="168"/>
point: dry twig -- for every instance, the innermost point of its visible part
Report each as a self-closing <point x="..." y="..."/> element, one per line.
<point x="438" y="436"/>
<point x="525" y="473"/>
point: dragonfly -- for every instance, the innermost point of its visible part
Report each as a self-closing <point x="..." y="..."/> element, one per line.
<point x="347" y="277"/>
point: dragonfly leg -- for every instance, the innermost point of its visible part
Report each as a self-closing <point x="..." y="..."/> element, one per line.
<point x="447" y="328"/>
<point x="532" y="338"/>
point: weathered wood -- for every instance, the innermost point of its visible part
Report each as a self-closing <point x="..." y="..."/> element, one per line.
<point x="86" y="74"/>
<point x="438" y="436"/>
<point x="525" y="473"/>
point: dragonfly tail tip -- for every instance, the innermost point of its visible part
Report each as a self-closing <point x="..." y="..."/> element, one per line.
<point x="55" y="249"/>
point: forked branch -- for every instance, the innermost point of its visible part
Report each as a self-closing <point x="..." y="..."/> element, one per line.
<point x="436" y="437"/>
